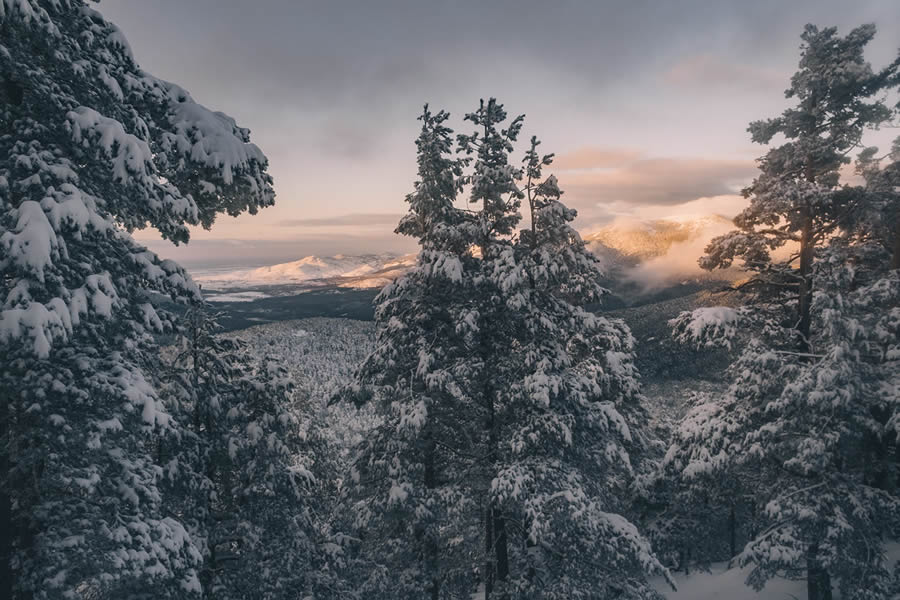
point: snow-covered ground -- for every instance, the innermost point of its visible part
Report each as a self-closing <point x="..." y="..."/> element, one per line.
<point x="722" y="583"/>
<point x="248" y="296"/>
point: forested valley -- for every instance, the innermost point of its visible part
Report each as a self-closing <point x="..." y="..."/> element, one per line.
<point x="490" y="436"/>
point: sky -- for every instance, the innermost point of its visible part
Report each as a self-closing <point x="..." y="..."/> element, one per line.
<point x="645" y="103"/>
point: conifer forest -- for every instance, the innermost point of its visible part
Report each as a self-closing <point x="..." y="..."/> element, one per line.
<point x="509" y="397"/>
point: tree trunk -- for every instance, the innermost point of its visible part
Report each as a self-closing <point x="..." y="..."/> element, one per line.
<point x="818" y="581"/>
<point x="489" y="505"/>
<point x="496" y="560"/>
<point x="732" y="532"/>
<point x="806" y="258"/>
<point x="431" y="547"/>
<point x="496" y="564"/>
<point x="532" y="572"/>
<point x="501" y="551"/>
<point x="498" y="544"/>
<point x="812" y="575"/>
<point x="488" y="576"/>
<point x="6" y="524"/>
<point x="495" y="526"/>
<point x="895" y="259"/>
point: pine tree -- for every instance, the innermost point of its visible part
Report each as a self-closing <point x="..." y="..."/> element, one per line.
<point x="91" y="148"/>
<point x="876" y="220"/>
<point x="569" y="414"/>
<point x="499" y="394"/>
<point x="410" y="491"/>
<point x="869" y="249"/>
<point x="494" y="189"/>
<point x="198" y="390"/>
<point x="271" y="533"/>
<point x="239" y="469"/>
<point x="804" y="396"/>
<point x="796" y="198"/>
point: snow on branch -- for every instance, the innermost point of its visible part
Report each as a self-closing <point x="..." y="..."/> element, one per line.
<point x="710" y="327"/>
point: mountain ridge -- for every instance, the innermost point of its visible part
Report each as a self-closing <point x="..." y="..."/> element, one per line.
<point x="637" y="258"/>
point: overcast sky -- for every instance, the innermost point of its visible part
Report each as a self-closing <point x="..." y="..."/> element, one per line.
<point x="645" y="103"/>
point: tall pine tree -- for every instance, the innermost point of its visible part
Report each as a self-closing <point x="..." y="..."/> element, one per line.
<point x="92" y="148"/>
<point x="804" y="399"/>
<point x="569" y="415"/>
<point x="410" y="487"/>
<point x="494" y="191"/>
<point x="198" y="386"/>
<point x="239" y="468"/>
<point x="502" y="397"/>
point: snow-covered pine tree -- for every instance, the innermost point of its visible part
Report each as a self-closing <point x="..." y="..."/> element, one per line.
<point x="270" y="535"/>
<point x="795" y="201"/>
<point x="409" y="487"/>
<point x="473" y="396"/>
<point x="239" y="468"/>
<point x="695" y="522"/>
<point x="494" y="189"/>
<point x="568" y="415"/>
<point x="705" y="512"/>
<point x="91" y="148"/>
<point x="803" y="398"/>
<point x="876" y="218"/>
<point x="198" y="388"/>
<point x="870" y="249"/>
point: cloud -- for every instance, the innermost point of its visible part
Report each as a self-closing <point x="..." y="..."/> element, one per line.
<point x="347" y="140"/>
<point x="648" y="181"/>
<point x="707" y="71"/>
<point x="353" y="220"/>
<point x="727" y="206"/>
<point x="595" y="158"/>
<point x="680" y="261"/>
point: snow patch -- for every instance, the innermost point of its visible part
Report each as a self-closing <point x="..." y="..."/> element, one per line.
<point x="248" y="296"/>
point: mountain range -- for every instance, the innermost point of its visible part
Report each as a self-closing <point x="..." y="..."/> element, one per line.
<point x="366" y="271"/>
<point x="637" y="257"/>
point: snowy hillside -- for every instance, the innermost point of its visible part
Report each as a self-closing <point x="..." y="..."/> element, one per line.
<point x="321" y="355"/>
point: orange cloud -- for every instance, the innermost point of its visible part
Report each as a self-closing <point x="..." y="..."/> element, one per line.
<point x="656" y="181"/>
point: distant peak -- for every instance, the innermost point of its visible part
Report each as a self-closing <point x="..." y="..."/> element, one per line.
<point x="645" y="239"/>
<point x="369" y="270"/>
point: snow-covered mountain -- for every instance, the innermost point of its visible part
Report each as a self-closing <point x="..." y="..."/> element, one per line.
<point x="655" y="254"/>
<point x="367" y="271"/>
<point x="652" y="253"/>
<point x="644" y="240"/>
